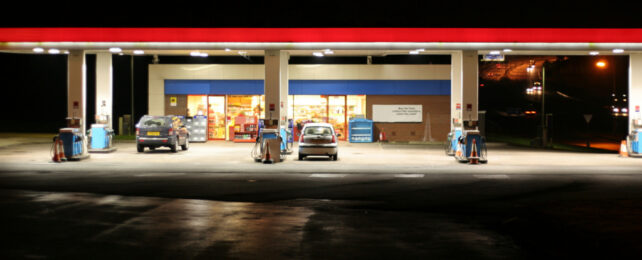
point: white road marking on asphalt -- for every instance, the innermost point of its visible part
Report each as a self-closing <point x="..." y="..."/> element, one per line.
<point x="327" y="175"/>
<point x="159" y="174"/>
<point x="492" y="176"/>
<point x="409" y="175"/>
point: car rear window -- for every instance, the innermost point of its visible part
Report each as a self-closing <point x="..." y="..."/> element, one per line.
<point x="318" y="130"/>
<point x="153" y="122"/>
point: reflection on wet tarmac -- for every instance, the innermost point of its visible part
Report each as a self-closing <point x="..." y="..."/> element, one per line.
<point x="82" y="225"/>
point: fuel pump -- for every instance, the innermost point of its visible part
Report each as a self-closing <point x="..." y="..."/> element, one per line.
<point x="287" y="137"/>
<point x="101" y="136"/>
<point x="74" y="142"/>
<point x="269" y="142"/>
<point x="634" y="140"/>
<point x="470" y="145"/>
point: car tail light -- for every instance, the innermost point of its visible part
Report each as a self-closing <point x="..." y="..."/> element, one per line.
<point x="301" y="139"/>
<point x="334" y="139"/>
<point x="171" y="131"/>
<point x="137" y="131"/>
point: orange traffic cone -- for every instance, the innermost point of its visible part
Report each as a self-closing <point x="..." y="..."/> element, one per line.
<point x="61" y="151"/>
<point x="474" y="157"/>
<point x="458" y="153"/>
<point x="623" y="150"/>
<point x="56" y="155"/>
<point x="268" y="157"/>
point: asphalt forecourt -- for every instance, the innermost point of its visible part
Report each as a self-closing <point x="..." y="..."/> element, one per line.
<point x="369" y="158"/>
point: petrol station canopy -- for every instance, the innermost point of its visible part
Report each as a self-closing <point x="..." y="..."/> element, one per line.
<point x="432" y="40"/>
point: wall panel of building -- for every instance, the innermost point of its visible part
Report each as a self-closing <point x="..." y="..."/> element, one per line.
<point x="435" y="123"/>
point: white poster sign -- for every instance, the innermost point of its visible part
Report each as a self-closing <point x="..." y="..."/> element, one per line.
<point x="397" y="113"/>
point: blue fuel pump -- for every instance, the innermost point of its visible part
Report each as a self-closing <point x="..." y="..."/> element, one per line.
<point x="101" y="139"/>
<point x="101" y="136"/>
<point x="464" y="150"/>
<point x="74" y="142"/>
<point x="634" y="140"/>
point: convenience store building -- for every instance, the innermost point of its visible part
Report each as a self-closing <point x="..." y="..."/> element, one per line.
<point x="230" y="95"/>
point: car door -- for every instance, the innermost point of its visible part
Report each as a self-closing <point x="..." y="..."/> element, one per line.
<point x="180" y="132"/>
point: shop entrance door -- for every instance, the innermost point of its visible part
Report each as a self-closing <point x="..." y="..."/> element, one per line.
<point x="337" y="115"/>
<point x="216" y="118"/>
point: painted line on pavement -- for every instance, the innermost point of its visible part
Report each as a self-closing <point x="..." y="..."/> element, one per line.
<point x="409" y="175"/>
<point x="159" y="174"/>
<point x="327" y="175"/>
<point x="492" y="176"/>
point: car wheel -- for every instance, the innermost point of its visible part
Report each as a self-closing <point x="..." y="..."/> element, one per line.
<point x="140" y="148"/>
<point x="335" y="157"/>
<point x="173" y="147"/>
<point x="186" y="145"/>
<point x="301" y="157"/>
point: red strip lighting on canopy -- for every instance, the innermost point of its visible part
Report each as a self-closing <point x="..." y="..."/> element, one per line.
<point x="302" y="35"/>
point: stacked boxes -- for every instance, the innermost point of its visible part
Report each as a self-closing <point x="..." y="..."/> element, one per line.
<point x="197" y="127"/>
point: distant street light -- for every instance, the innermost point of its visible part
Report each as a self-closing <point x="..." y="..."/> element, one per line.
<point x="540" y="89"/>
<point x="601" y="64"/>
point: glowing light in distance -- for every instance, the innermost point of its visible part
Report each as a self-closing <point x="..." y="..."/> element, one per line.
<point x="415" y="52"/>
<point x="318" y="54"/>
<point x="594" y="53"/>
<point x="139" y="52"/>
<point x="54" y="51"/>
<point x="494" y="52"/>
<point x="38" y="50"/>
<point x="600" y="64"/>
<point x="115" y="50"/>
<point x="618" y="51"/>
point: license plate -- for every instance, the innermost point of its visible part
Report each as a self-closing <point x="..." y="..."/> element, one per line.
<point x="153" y="133"/>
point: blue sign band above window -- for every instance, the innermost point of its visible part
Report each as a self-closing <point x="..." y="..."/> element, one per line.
<point x="311" y="87"/>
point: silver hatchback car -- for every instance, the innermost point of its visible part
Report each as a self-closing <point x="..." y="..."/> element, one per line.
<point x="318" y="139"/>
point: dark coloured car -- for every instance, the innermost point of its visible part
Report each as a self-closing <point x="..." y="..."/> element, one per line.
<point x="161" y="131"/>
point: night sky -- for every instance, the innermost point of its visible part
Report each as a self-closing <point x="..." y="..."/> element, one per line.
<point x="401" y="13"/>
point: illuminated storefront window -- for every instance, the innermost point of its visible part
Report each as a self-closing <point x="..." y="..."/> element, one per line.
<point x="337" y="115"/>
<point x="223" y="111"/>
<point x="216" y="118"/>
<point x="333" y="109"/>
<point x="310" y="108"/>
<point x="243" y="106"/>
<point x="356" y="106"/>
<point x="196" y="105"/>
